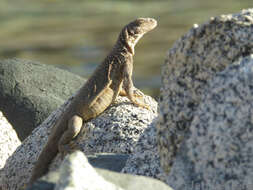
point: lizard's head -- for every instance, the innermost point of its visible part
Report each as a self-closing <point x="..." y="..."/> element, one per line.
<point x="132" y="32"/>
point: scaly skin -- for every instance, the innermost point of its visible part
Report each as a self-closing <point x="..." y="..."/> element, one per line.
<point x="112" y="77"/>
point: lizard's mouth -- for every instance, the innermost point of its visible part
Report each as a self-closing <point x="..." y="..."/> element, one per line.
<point x="152" y="23"/>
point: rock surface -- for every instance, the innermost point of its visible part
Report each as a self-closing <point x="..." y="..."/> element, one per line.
<point x="30" y="91"/>
<point x="69" y="177"/>
<point x="145" y="158"/>
<point x="194" y="59"/>
<point x="218" y="152"/>
<point x="119" y="129"/>
<point x="8" y="140"/>
<point x="116" y="130"/>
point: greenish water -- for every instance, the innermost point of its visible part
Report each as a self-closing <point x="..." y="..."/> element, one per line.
<point x="76" y="35"/>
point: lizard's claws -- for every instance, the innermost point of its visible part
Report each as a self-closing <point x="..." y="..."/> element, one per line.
<point x="137" y="93"/>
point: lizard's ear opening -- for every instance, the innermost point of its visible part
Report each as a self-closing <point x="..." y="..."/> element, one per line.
<point x="128" y="41"/>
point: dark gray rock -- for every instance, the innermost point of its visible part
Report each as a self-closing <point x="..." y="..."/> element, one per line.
<point x="193" y="60"/>
<point x="68" y="176"/>
<point x="218" y="151"/>
<point x="109" y="161"/>
<point x="30" y="91"/>
<point x="42" y="185"/>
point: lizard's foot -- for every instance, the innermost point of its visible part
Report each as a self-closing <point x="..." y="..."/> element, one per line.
<point x="136" y="93"/>
<point x="138" y="99"/>
<point x="145" y="106"/>
<point x="66" y="143"/>
<point x="141" y="104"/>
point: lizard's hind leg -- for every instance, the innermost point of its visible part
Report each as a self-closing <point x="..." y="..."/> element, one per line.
<point x="74" y="126"/>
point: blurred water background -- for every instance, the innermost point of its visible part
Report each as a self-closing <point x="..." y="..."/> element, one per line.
<point x="76" y="35"/>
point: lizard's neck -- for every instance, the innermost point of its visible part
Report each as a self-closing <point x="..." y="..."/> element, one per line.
<point x="126" y="42"/>
<point x="123" y="48"/>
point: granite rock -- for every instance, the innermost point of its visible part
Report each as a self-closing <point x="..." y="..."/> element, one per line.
<point x="193" y="60"/>
<point x="217" y="152"/>
<point x="145" y="158"/>
<point x="119" y="130"/>
<point x="30" y="91"/>
<point x="68" y="177"/>
<point x="115" y="131"/>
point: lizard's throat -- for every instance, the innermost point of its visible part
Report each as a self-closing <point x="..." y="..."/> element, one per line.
<point x="130" y="48"/>
<point x="131" y="44"/>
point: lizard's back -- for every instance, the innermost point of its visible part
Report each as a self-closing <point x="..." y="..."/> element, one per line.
<point x="91" y="100"/>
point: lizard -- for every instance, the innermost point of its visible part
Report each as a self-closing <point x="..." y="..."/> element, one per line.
<point x="111" y="78"/>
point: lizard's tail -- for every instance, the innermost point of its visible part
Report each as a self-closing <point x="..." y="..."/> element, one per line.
<point x="42" y="165"/>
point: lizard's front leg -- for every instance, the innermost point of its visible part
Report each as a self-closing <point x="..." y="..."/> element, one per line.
<point x="128" y="89"/>
<point x="74" y="127"/>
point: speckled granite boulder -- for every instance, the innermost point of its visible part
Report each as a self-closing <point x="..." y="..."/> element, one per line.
<point x="68" y="177"/>
<point x="119" y="130"/>
<point x="30" y="91"/>
<point x="116" y="130"/>
<point x="218" y="152"/>
<point x="145" y="158"/>
<point x="8" y="140"/>
<point x="191" y="62"/>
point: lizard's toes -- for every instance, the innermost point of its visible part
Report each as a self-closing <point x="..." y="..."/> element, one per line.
<point x="138" y="93"/>
<point x="145" y="106"/>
